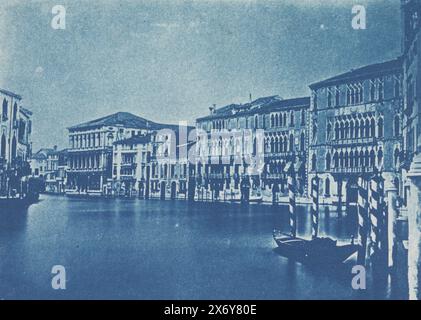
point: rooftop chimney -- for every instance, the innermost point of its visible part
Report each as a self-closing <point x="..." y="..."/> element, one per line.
<point x="212" y="109"/>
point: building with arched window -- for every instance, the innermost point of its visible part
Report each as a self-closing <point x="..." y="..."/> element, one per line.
<point x="285" y="144"/>
<point x="15" y="142"/>
<point x="90" y="154"/>
<point x="359" y="131"/>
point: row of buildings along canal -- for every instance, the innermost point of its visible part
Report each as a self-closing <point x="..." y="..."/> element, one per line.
<point x="351" y="126"/>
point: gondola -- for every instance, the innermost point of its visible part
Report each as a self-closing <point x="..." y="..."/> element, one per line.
<point x="18" y="203"/>
<point x="316" y="251"/>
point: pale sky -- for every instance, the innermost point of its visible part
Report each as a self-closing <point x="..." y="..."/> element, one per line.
<point x="170" y="60"/>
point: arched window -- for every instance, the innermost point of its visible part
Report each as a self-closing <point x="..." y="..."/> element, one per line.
<point x="276" y="120"/>
<point x="14" y="148"/>
<point x="272" y="121"/>
<point x="380" y="127"/>
<point x="15" y="112"/>
<point x="341" y="159"/>
<point x="346" y="130"/>
<point x="313" y="162"/>
<point x="396" y="156"/>
<point x="351" y="159"/>
<point x="292" y="119"/>
<point x="3" y="146"/>
<point x="367" y="128"/>
<point x="4" y="110"/>
<point x="285" y="144"/>
<point x="342" y="134"/>
<point x="291" y="142"/>
<point x="327" y="187"/>
<point x="380" y="157"/>
<point x="328" y="131"/>
<point x="397" y="126"/>
<point x="276" y="145"/>
<point x="302" y="142"/>
<point x="372" y="128"/>
<point x="362" y="159"/>
<point x="351" y="129"/>
<point x="346" y="159"/>
<point x="356" y="159"/>
<point x="285" y="120"/>
<point x="372" y="158"/>
<point x="303" y="117"/>
<point x="328" y="161"/>
<point x="336" y="131"/>
<point x="272" y="145"/>
<point x="336" y="160"/>
<point x="357" y="129"/>
<point x="366" y="158"/>
<point x="256" y="122"/>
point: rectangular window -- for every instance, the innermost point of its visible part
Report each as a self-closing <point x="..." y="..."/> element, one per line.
<point x="372" y="90"/>
<point x="337" y="96"/>
<point x="380" y="90"/>
<point x="329" y="97"/>
<point x="397" y="88"/>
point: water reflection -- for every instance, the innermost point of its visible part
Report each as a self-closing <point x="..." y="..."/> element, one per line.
<point x="137" y="249"/>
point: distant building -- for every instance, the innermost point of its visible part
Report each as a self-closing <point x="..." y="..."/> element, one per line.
<point x="150" y="164"/>
<point x="90" y="153"/>
<point x="131" y="159"/>
<point x="15" y="141"/>
<point x="283" y="123"/>
<point x="356" y="127"/>
<point x="44" y="162"/>
<point x="49" y="165"/>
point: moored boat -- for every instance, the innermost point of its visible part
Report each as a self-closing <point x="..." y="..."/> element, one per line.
<point x="18" y="203"/>
<point x="316" y="251"/>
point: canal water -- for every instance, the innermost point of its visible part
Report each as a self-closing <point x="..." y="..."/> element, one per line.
<point x="137" y="249"/>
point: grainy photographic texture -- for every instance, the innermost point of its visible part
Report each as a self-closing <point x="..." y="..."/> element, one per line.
<point x="217" y="150"/>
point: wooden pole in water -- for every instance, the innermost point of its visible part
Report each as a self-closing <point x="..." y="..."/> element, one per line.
<point x="362" y="219"/>
<point x="376" y="214"/>
<point x="315" y="207"/>
<point x="292" y="205"/>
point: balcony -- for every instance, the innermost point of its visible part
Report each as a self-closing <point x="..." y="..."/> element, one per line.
<point x="354" y="141"/>
<point x="85" y="169"/>
<point x="129" y="165"/>
<point x="353" y="170"/>
<point x="274" y="176"/>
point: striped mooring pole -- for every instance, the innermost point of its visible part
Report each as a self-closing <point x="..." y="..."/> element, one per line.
<point x="362" y="219"/>
<point x="315" y="207"/>
<point x="292" y="213"/>
<point x="376" y="193"/>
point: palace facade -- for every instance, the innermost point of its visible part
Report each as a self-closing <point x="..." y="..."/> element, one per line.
<point x="152" y="165"/>
<point x="271" y="129"/>
<point x="15" y="142"/>
<point x="90" y="150"/>
<point x="99" y="165"/>
<point x="411" y="157"/>
<point x="355" y="128"/>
